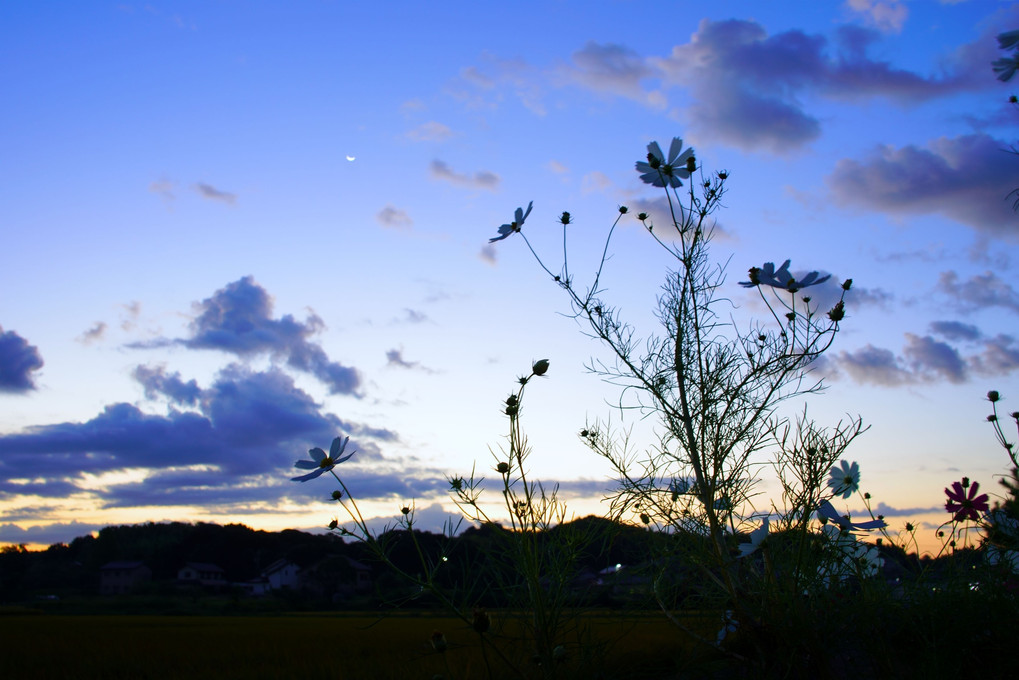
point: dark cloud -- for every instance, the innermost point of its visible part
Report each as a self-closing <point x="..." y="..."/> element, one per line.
<point x="213" y="194"/>
<point x="955" y="330"/>
<point x="1000" y="356"/>
<point x="748" y="86"/>
<point x="238" y="319"/>
<point x="156" y="382"/>
<point x="930" y="359"/>
<point x="982" y="291"/>
<point x="238" y="447"/>
<point x="925" y="359"/>
<point x="479" y="180"/>
<point x="18" y="361"/>
<point x="889" y="511"/>
<point x="46" y="534"/>
<point x="394" y="218"/>
<point x="966" y="179"/>
<point x="872" y="365"/>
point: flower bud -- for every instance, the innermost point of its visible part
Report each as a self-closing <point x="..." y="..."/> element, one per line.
<point x="405" y="510"/>
<point x="565" y="218"/>
<point x="641" y="216"/>
<point x="481" y="623"/>
<point x="653" y="161"/>
<point x="847" y="284"/>
<point x="333" y="524"/>
<point x="502" y="468"/>
<point x="644" y="518"/>
<point x="992" y="418"/>
<point x="723" y="175"/>
<point x="337" y="495"/>
<point x="838" y="312"/>
<point x="755" y="275"/>
<point x="623" y="210"/>
<point x="965" y="482"/>
<point x="540" y="367"/>
<point x="691" y="164"/>
<point x="993" y="396"/>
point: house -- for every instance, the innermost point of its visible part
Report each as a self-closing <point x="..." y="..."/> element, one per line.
<point x="336" y="576"/>
<point x="201" y="574"/>
<point x="282" y="574"/>
<point x="120" y="577"/>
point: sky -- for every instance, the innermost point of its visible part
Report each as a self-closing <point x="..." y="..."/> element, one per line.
<point x="235" y="230"/>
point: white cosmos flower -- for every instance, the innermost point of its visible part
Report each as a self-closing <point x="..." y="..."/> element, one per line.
<point x="514" y="226"/>
<point x="781" y="278"/>
<point x="827" y="511"/>
<point x="659" y="171"/>
<point x="845" y="480"/>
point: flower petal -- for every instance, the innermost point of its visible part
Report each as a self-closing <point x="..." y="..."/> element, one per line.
<point x="675" y="149"/>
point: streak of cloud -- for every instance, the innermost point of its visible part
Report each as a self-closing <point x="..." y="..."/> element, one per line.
<point x="482" y="179"/>
<point x="213" y="194"/>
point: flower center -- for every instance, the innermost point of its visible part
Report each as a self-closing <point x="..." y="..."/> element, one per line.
<point x="326" y="462"/>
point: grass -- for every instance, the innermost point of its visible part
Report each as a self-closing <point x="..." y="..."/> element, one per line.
<point x="335" y="646"/>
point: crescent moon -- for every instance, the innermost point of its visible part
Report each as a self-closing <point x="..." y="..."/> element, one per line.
<point x="350" y="158"/>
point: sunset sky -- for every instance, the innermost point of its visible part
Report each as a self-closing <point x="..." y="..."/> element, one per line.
<point x="233" y="230"/>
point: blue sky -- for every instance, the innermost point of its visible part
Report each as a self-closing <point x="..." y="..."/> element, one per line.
<point x="234" y="230"/>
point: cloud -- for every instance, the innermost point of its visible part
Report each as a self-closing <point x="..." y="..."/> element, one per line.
<point x="966" y="179"/>
<point x="885" y="15"/>
<point x="394" y="357"/>
<point x="432" y="131"/>
<point x="156" y="382"/>
<point x="46" y="534"/>
<point x="164" y="188"/>
<point x="872" y="365"/>
<point x="94" y="334"/>
<point x="18" y="361"/>
<point x="394" y="218"/>
<point x="238" y="446"/>
<point x="488" y="253"/>
<point x="929" y="359"/>
<point x="213" y="194"/>
<point x="955" y="330"/>
<point x="925" y="359"/>
<point x="982" y="291"/>
<point x="614" y="69"/>
<point x="238" y="320"/>
<point x="766" y="77"/>
<point x="479" y="180"/>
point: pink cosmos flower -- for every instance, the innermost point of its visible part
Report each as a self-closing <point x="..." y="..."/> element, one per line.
<point x="964" y="502"/>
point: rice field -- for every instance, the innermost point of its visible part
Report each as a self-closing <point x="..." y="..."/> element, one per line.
<point x="335" y="646"/>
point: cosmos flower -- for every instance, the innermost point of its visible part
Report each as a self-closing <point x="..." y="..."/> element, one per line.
<point x="514" y="226"/>
<point x="729" y="625"/>
<point x="827" y="511"/>
<point x="850" y="558"/>
<point x="321" y="463"/>
<point x="756" y="537"/>
<point x="1006" y="67"/>
<point x="768" y="276"/>
<point x="846" y="479"/>
<point x="964" y="502"/>
<point x="1008" y="40"/>
<point x="658" y="171"/>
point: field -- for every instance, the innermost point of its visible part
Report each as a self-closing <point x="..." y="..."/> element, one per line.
<point x="336" y="646"/>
